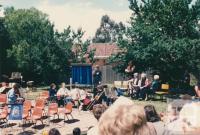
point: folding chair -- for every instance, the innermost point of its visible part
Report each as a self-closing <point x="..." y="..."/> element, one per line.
<point x="68" y="110"/>
<point x="4" y="114"/>
<point x="37" y="115"/>
<point x="3" y="99"/>
<point x="40" y="103"/>
<point x="53" y="110"/>
<point x="164" y="91"/>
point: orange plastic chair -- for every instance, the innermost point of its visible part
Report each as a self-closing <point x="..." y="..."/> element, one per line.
<point x="53" y="110"/>
<point x="40" y="103"/>
<point x="26" y="115"/>
<point x="37" y="115"/>
<point x="68" y="110"/>
<point x="27" y="105"/>
<point x="3" y="99"/>
<point x="44" y="95"/>
<point x="4" y="114"/>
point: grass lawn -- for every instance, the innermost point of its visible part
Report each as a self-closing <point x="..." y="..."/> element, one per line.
<point x="159" y="105"/>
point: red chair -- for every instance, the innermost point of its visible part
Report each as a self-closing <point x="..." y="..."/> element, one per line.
<point x="53" y="110"/>
<point x="3" y="99"/>
<point x="40" y="103"/>
<point x="27" y="105"/>
<point x="26" y="115"/>
<point x="36" y="115"/>
<point x="44" y="95"/>
<point x="68" y="110"/>
<point x="4" y="114"/>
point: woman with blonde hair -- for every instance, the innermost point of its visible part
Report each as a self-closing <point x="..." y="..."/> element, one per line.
<point x="144" y="86"/>
<point x="125" y="118"/>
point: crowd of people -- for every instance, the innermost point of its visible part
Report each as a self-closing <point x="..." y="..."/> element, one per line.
<point x="120" y="115"/>
<point x="125" y="117"/>
<point x="64" y="96"/>
<point x="140" y="87"/>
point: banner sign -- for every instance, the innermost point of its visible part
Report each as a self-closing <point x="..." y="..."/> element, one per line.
<point x="16" y="112"/>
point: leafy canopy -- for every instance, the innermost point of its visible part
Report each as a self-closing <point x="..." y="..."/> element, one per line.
<point x="163" y="36"/>
<point x="39" y="52"/>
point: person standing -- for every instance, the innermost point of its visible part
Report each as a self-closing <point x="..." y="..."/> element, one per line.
<point x="97" y="78"/>
<point x="13" y="94"/>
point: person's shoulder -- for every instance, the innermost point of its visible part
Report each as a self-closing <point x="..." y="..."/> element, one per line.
<point x="93" y="131"/>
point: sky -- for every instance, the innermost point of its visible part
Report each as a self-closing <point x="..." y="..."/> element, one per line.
<point x="85" y="14"/>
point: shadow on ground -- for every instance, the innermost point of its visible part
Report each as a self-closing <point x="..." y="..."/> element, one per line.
<point x="27" y="133"/>
<point x="71" y="121"/>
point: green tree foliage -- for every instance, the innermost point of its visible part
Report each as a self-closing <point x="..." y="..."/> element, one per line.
<point x="164" y="36"/>
<point x="4" y="45"/>
<point x="38" y="52"/>
<point x="109" y="31"/>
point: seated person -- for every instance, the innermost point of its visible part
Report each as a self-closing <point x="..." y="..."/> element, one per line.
<point x="197" y="89"/>
<point x="111" y="95"/>
<point x="64" y="95"/>
<point x="188" y="122"/>
<point x="133" y="84"/>
<point x="155" y="86"/>
<point x="13" y="94"/>
<point x="97" y="110"/>
<point x="153" y="117"/>
<point x="77" y="131"/>
<point x="75" y="94"/>
<point x="4" y="86"/>
<point x="143" y="84"/>
<point x="124" y="118"/>
<point x="52" y="92"/>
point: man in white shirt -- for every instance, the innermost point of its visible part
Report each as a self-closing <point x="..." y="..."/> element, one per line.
<point x="63" y="91"/>
<point x="63" y="95"/>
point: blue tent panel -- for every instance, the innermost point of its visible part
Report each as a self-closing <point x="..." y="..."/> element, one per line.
<point x="82" y="74"/>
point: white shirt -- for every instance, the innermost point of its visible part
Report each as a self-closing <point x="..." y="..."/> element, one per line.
<point x="63" y="91"/>
<point x="75" y="94"/>
<point x="83" y="94"/>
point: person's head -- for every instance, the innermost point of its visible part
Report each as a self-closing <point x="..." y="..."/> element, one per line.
<point x="63" y="85"/>
<point x="97" y="67"/>
<point x="151" y="113"/>
<point x="198" y="85"/>
<point x="54" y="131"/>
<point x="136" y="75"/>
<point x="3" y="84"/>
<point x="156" y="77"/>
<point x="53" y="86"/>
<point x="143" y="76"/>
<point x="189" y="114"/>
<point x="76" y="131"/>
<point x="124" y="118"/>
<point x="98" y="110"/>
<point x="16" y="87"/>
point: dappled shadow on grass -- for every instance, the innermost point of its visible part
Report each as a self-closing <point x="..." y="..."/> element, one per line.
<point x="71" y="121"/>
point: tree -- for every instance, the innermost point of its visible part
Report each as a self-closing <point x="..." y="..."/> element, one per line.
<point x="4" y="45"/>
<point x="39" y="52"/>
<point x="163" y="36"/>
<point x="109" y="31"/>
